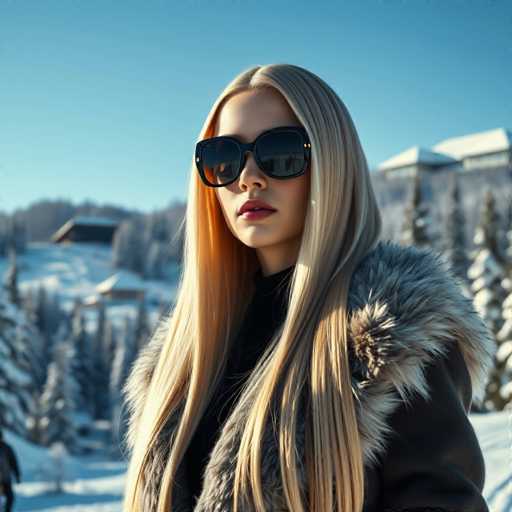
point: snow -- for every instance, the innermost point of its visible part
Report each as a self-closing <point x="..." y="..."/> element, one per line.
<point x="490" y="141"/>
<point x="90" y="483"/>
<point x="415" y="155"/>
<point x="121" y="281"/>
<point x="96" y="483"/>
<point x="74" y="270"/>
<point x="453" y="149"/>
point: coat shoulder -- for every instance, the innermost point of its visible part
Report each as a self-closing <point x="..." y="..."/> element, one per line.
<point x="407" y="307"/>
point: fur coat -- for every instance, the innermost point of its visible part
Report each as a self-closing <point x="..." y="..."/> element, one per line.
<point x="419" y="353"/>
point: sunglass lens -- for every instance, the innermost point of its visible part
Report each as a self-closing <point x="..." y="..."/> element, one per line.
<point x="221" y="160"/>
<point x="282" y="153"/>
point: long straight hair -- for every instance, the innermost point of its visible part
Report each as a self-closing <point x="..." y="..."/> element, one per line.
<point x="342" y="224"/>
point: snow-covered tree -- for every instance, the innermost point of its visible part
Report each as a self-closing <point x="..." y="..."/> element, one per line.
<point x="487" y="274"/>
<point x="56" y="468"/>
<point x="143" y="244"/>
<point x="142" y="328"/>
<point x="11" y="280"/>
<point x="128" y="249"/>
<point x="20" y="367"/>
<point x="57" y="400"/>
<point x="157" y="245"/>
<point x="156" y="260"/>
<point x="109" y="346"/>
<point x="48" y="316"/>
<point x="104" y="351"/>
<point x="454" y="247"/>
<point x="41" y="308"/>
<point x="416" y="229"/>
<point x="82" y="359"/>
<point x="28" y="303"/>
<point x="503" y="369"/>
<point x="507" y="242"/>
<point x="504" y="336"/>
<point x="489" y="230"/>
<point x="101" y="364"/>
<point x="35" y="417"/>
<point x="125" y="354"/>
<point x="13" y="235"/>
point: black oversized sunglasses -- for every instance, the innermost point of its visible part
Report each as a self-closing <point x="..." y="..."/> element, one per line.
<point x="282" y="152"/>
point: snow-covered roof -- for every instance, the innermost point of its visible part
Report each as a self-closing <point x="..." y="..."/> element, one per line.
<point x="453" y="149"/>
<point x="415" y="155"/>
<point x="94" y="221"/>
<point x="122" y="280"/>
<point x="82" y="220"/>
<point x="491" y="141"/>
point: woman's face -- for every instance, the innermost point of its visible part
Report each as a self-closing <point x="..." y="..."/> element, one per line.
<point x="276" y="237"/>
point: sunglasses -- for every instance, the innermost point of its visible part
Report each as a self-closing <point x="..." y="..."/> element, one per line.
<point x="281" y="153"/>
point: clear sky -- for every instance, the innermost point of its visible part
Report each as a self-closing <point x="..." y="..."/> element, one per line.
<point x="104" y="100"/>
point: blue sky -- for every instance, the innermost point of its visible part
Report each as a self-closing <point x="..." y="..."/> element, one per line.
<point x="104" y="100"/>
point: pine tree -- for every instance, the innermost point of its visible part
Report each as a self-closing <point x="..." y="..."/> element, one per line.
<point x="454" y="248"/>
<point x="82" y="358"/>
<point x="125" y="354"/>
<point x="16" y="234"/>
<point x="486" y="274"/>
<point x="142" y="328"/>
<point x="57" y="400"/>
<point x="504" y="336"/>
<point x="110" y="342"/>
<point x="19" y="366"/>
<point x="100" y="367"/>
<point x="35" y="420"/>
<point x="11" y="280"/>
<point x="155" y="261"/>
<point x="417" y="223"/>
<point x="488" y="231"/>
<point x="157" y="244"/>
<point x="503" y="371"/>
<point x="28" y="303"/>
<point x="41" y="308"/>
<point x="128" y="245"/>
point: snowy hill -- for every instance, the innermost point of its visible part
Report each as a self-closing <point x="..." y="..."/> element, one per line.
<point x="74" y="270"/>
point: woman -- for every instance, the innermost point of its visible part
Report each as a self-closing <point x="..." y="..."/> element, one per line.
<point x="306" y="366"/>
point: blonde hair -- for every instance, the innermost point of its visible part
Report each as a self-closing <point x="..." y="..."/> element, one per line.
<point x="342" y="225"/>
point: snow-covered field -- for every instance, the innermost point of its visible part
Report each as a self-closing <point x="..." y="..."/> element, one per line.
<point x="89" y="483"/>
<point x="96" y="482"/>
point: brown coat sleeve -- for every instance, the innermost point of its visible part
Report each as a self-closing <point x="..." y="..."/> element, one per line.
<point x="434" y="461"/>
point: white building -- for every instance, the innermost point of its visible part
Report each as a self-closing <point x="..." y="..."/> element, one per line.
<point x="492" y="148"/>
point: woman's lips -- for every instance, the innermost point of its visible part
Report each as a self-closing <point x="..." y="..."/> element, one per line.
<point x="256" y="214"/>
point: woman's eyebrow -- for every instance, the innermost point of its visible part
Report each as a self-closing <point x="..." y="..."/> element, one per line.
<point x="236" y="136"/>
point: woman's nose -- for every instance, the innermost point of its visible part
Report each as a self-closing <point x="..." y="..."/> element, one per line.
<point x="250" y="169"/>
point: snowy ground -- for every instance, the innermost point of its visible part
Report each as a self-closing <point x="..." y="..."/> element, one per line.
<point x="96" y="483"/>
<point x="91" y="483"/>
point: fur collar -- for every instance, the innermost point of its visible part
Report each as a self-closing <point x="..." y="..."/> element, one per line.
<point x="406" y="309"/>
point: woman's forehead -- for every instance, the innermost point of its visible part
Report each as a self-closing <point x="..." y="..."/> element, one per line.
<point x="249" y="113"/>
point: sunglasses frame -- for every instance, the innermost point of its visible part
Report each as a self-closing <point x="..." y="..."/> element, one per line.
<point x="252" y="147"/>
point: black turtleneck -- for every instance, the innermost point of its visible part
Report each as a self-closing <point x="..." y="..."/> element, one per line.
<point x="264" y="315"/>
